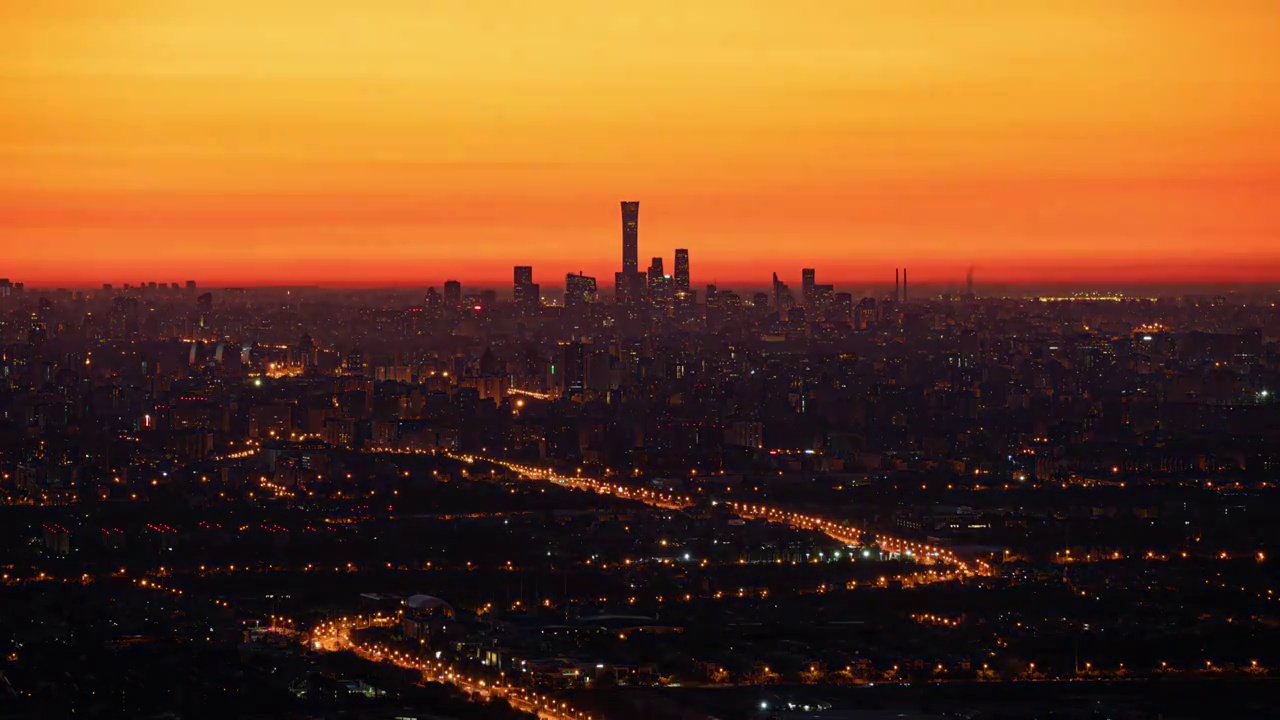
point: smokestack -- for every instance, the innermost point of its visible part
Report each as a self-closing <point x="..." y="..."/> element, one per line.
<point x="897" y="285"/>
<point x="904" y="285"/>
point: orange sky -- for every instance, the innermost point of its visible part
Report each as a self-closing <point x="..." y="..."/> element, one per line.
<point x="406" y="141"/>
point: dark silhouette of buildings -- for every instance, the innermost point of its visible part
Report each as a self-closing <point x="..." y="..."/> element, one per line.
<point x="682" y="270"/>
<point x="630" y="237"/>
<point x="452" y="294"/>
<point x="579" y="291"/>
<point x="629" y="284"/>
<point x="524" y="291"/>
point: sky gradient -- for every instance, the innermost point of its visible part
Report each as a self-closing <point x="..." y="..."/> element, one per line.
<point x="409" y="141"/>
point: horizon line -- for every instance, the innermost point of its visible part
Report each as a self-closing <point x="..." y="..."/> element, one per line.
<point x="725" y="285"/>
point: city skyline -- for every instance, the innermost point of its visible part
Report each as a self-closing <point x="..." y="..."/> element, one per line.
<point x="305" y="144"/>
<point x="341" y="374"/>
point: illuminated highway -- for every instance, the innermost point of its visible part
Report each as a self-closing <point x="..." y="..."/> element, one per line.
<point x="842" y="532"/>
<point x="662" y="500"/>
<point x="335" y="636"/>
<point x="851" y="535"/>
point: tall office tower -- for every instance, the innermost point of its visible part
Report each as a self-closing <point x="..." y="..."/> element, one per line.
<point x="532" y="299"/>
<point x="434" y="303"/>
<point x="897" y="285"/>
<point x="904" y="285"/>
<point x="452" y="294"/>
<point x="658" y="280"/>
<point x="655" y="273"/>
<point x="522" y="287"/>
<point x="621" y="287"/>
<point x="579" y="291"/>
<point x="630" y="237"/>
<point x="628" y="287"/>
<point x="655" y="268"/>
<point x="807" y="279"/>
<point x="571" y="375"/>
<point x="714" y="311"/>
<point x="682" y="270"/>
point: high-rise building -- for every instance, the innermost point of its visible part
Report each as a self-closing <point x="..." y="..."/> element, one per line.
<point x="629" y="283"/>
<point x="452" y="294"/>
<point x="621" y="287"/>
<point x="579" y="291"/>
<point x="530" y="299"/>
<point x="842" y="308"/>
<point x="682" y="270"/>
<point x="571" y="374"/>
<point x="659" y="282"/>
<point x="808" y="277"/>
<point x="782" y="298"/>
<point x="525" y="292"/>
<point x="655" y="268"/>
<point x="630" y="236"/>
<point x="434" y="303"/>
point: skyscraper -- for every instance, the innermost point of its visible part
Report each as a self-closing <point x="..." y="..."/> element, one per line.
<point x="452" y="294"/>
<point x="782" y="298"/>
<point x="658" y="281"/>
<point x="434" y="303"/>
<point x="572" y="372"/>
<point x="630" y="237"/>
<point x="807" y="278"/>
<point x="579" y="291"/>
<point x="525" y="291"/>
<point x="629" y="283"/>
<point x="682" y="270"/>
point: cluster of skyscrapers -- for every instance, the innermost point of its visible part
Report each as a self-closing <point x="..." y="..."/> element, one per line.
<point x="631" y="286"/>
<point x="634" y="287"/>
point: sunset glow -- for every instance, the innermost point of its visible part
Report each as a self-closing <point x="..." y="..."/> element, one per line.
<point x="407" y="141"/>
